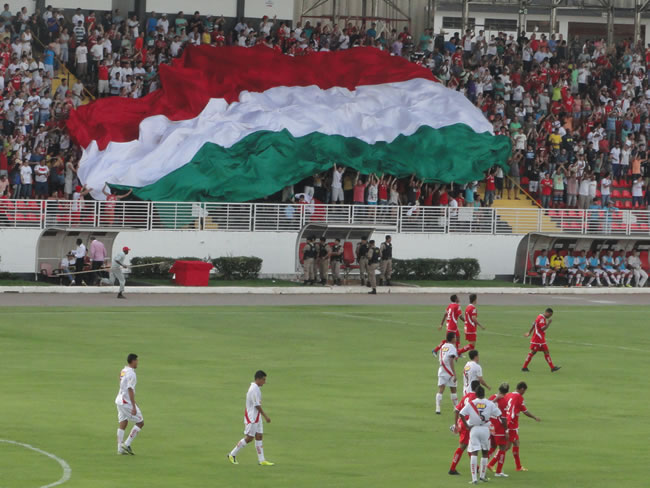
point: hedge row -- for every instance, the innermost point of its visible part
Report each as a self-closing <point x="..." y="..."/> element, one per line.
<point x="228" y="268"/>
<point x="436" y="269"/>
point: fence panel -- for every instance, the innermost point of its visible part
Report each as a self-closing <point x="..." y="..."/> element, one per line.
<point x="271" y="217"/>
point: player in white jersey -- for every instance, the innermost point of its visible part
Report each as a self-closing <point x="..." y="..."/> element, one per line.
<point x="480" y="411"/>
<point x="446" y="373"/>
<point x="472" y="371"/>
<point x="253" y="426"/>
<point x="127" y="409"/>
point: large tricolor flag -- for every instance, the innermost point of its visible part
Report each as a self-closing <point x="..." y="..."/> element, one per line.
<point x="236" y="124"/>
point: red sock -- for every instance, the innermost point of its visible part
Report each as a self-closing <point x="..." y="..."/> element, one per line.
<point x="502" y="457"/>
<point x="439" y="346"/>
<point x="491" y="451"/>
<point x="493" y="461"/>
<point x="454" y="461"/>
<point x="468" y="347"/>
<point x="528" y="359"/>
<point x="547" y="356"/>
<point x="515" y="453"/>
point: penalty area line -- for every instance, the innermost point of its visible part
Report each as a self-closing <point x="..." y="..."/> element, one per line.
<point x="67" y="470"/>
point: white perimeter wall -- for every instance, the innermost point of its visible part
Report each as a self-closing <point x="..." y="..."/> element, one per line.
<point x="259" y="8"/>
<point x="496" y="254"/>
<point x="85" y="4"/>
<point x="227" y="8"/>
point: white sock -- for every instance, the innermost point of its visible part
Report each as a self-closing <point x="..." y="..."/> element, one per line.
<point x="473" y="464"/>
<point x="552" y="278"/>
<point x="134" y="432"/>
<point x="543" y="278"/>
<point x="454" y="399"/>
<point x="598" y="281"/>
<point x="120" y="437"/>
<point x="240" y="445"/>
<point x="629" y="278"/>
<point x="591" y="280"/>
<point x="484" y="463"/>
<point x="260" y="451"/>
<point x="438" y="401"/>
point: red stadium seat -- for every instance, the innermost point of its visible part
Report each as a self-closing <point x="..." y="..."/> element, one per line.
<point x="616" y="194"/>
<point x="619" y="204"/>
<point x="616" y="184"/>
<point x="626" y="194"/>
<point x="300" y="251"/>
<point x="643" y="255"/>
<point x="628" y="204"/>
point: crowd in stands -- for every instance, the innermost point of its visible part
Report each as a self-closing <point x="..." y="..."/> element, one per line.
<point x="577" y="112"/>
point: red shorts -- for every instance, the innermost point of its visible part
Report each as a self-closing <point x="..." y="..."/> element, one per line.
<point x="513" y="435"/>
<point x="464" y="436"/>
<point x="471" y="337"/>
<point x="498" y="440"/>
<point x="538" y="347"/>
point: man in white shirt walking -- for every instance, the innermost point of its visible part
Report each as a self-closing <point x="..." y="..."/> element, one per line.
<point x="253" y="425"/>
<point x="127" y="408"/>
<point x="119" y="262"/>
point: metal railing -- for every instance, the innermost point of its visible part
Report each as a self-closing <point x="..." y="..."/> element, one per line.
<point x="271" y="217"/>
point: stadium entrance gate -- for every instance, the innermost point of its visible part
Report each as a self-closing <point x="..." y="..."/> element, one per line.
<point x="54" y="244"/>
<point x="350" y="235"/>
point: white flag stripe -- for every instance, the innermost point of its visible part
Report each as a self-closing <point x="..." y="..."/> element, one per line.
<point x="370" y="113"/>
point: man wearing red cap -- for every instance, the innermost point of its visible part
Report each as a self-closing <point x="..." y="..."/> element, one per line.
<point x="119" y="262"/>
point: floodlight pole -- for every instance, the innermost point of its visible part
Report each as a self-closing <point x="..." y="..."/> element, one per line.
<point x="521" y="20"/>
<point x="465" y="20"/>
<point x="640" y="6"/>
<point x="553" y="27"/>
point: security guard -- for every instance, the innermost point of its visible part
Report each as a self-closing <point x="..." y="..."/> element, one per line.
<point x="373" y="264"/>
<point x="336" y="257"/>
<point x="362" y="259"/>
<point x="323" y="260"/>
<point x="309" y="255"/>
<point x="386" y="250"/>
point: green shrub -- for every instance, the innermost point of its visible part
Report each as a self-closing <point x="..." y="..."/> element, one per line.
<point x="238" y="267"/>
<point x="436" y="269"/>
<point x="155" y="270"/>
<point x="463" y="269"/>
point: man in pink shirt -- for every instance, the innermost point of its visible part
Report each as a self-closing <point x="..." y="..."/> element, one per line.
<point x="97" y="254"/>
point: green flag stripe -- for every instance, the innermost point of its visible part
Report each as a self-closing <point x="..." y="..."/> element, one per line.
<point x="265" y="162"/>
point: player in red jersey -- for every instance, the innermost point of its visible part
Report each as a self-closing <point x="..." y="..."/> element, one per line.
<point x="514" y="406"/>
<point x="471" y="322"/>
<point x="459" y="427"/>
<point x="451" y="317"/>
<point x="538" y="339"/>
<point x="499" y="434"/>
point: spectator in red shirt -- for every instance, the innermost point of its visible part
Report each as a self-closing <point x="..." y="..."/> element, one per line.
<point x="490" y="188"/>
<point x="547" y="190"/>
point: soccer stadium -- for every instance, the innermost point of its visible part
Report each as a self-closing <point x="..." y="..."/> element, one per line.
<point x="353" y="242"/>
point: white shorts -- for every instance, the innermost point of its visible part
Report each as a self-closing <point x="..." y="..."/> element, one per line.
<point x="479" y="439"/>
<point x="337" y="195"/>
<point x="124" y="413"/>
<point x="253" y="428"/>
<point x="445" y="379"/>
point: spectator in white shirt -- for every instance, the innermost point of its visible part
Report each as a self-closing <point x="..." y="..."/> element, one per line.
<point x="80" y="259"/>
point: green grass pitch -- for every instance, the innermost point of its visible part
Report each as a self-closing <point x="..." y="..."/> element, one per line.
<point x="350" y="394"/>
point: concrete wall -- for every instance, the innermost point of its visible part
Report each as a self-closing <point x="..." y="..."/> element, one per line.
<point x="496" y="254"/>
<point x="227" y="8"/>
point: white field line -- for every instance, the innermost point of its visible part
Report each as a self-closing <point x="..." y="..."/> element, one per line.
<point x="573" y="343"/>
<point x="67" y="471"/>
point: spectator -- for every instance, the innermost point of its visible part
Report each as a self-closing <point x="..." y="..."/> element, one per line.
<point x="637" y="192"/>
